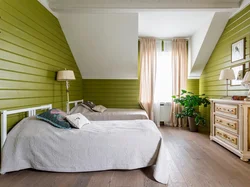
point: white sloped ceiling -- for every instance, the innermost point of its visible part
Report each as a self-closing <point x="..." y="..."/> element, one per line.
<point x="105" y="46"/>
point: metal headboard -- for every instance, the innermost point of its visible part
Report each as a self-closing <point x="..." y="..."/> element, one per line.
<point x="5" y="113"/>
<point x="73" y="102"/>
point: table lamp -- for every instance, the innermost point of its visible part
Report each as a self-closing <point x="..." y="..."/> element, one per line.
<point x="246" y="83"/>
<point x="227" y="74"/>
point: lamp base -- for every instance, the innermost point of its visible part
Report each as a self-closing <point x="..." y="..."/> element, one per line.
<point x="248" y="95"/>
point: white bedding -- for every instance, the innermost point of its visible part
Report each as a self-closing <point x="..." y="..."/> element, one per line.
<point x="101" y="145"/>
<point x="111" y="114"/>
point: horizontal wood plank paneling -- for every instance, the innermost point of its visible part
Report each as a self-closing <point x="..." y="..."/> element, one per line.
<point x="112" y="93"/>
<point x="237" y="28"/>
<point x="193" y="86"/>
<point x="32" y="49"/>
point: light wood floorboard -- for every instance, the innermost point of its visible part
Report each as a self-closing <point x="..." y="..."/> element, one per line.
<point x="194" y="161"/>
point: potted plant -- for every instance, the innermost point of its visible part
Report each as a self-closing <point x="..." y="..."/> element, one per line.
<point x="190" y="103"/>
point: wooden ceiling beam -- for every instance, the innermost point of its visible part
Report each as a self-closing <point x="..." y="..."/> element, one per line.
<point x="139" y="4"/>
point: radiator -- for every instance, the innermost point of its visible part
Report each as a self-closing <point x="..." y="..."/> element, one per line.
<point x="165" y="113"/>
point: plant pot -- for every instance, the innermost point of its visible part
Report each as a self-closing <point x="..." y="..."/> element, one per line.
<point x="192" y="125"/>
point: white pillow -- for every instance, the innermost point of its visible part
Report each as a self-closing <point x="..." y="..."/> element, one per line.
<point x="99" y="108"/>
<point x="77" y="120"/>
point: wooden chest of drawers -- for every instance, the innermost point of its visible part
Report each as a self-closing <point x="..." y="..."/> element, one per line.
<point x="231" y="110"/>
<point x="230" y="126"/>
<point x="225" y="136"/>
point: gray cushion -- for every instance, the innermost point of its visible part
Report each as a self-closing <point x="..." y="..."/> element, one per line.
<point x="88" y="104"/>
<point x="55" y="117"/>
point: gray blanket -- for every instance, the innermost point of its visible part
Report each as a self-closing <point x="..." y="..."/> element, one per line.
<point x="101" y="145"/>
<point x="111" y="114"/>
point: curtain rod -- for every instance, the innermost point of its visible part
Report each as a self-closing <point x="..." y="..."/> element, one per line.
<point x="158" y="38"/>
<point x="165" y="39"/>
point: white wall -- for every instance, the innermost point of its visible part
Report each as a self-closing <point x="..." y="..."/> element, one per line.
<point x="195" y="43"/>
<point x="105" y="46"/>
<point x="198" y="38"/>
<point x="205" y="40"/>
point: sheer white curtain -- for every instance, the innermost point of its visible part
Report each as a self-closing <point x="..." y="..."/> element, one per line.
<point x="163" y="84"/>
<point x="180" y="74"/>
<point x="147" y="74"/>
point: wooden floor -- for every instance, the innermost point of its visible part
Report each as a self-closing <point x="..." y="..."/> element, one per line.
<point x="195" y="161"/>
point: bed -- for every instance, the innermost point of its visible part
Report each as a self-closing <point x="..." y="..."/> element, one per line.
<point x="109" y="114"/>
<point x="101" y="145"/>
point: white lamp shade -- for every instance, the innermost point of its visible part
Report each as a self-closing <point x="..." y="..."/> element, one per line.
<point x="227" y="74"/>
<point x="65" y="75"/>
<point x="246" y="78"/>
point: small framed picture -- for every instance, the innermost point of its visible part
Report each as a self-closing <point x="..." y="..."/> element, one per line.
<point x="239" y="72"/>
<point x="238" y="50"/>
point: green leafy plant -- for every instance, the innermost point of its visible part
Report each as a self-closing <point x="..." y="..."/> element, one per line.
<point x="191" y="103"/>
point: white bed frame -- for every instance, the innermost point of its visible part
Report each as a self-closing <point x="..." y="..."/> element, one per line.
<point x="73" y="102"/>
<point x="5" y="113"/>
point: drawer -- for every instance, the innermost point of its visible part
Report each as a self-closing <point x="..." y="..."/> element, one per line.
<point x="226" y="137"/>
<point x="229" y="124"/>
<point x="231" y="110"/>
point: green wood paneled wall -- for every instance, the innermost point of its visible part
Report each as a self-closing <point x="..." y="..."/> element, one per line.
<point x="193" y="86"/>
<point x="120" y="93"/>
<point x="32" y="49"/>
<point x="237" y="28"/>
<point x="112" y="93"/>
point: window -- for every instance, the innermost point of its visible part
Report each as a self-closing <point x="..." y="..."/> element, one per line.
<point x="163" y="89"/>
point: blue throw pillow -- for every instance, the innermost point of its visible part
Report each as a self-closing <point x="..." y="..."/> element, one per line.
<point x="56" y="118"/>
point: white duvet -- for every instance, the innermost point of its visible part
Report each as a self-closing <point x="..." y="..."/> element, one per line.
<point x="111" y="114"/>
<point x="101" y="145"/>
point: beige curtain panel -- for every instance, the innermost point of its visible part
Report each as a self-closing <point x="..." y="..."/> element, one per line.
<point x="179" y="73"/>
<point x="148" y="57"/>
